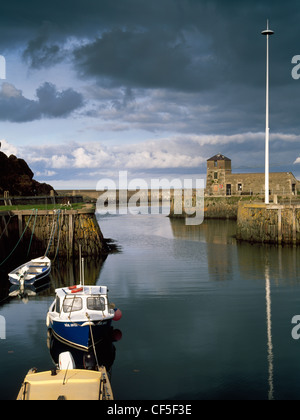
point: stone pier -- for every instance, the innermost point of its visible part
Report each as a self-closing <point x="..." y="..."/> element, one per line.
<point x="61" y="232"/>
<point x="269" y="223"/>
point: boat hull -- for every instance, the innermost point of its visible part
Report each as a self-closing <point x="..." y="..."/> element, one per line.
<point x="31" y="281"/>
<point x="81" y="335"/>
<point x="30" y="272"/>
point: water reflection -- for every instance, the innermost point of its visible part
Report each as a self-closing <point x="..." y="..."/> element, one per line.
<point x="67" y="273"/>
<point x="225" y="349"/>
<point x="210" y="231"/>
<point x="103" y="354"/>
<point x="269" y="332"/>
<point x="63" y="273"/>
<point x="213" y="235"/>
<point x="25" y="292"/>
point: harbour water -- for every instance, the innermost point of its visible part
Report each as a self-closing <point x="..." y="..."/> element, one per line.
<point x="204" y="317"/>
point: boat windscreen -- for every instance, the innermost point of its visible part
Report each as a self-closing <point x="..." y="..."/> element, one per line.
<point x="72" y="303"/>
<point x="96" y="303"/>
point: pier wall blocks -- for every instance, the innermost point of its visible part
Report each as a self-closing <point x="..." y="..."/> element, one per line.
<point x="214" y="208"/>
<point x="68" y="229"/>
<point x="269" y="223"/>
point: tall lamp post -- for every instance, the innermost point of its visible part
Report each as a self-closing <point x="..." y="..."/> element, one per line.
<point x="267" y="32"/>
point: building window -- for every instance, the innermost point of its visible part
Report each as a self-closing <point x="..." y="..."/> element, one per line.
<point x="240" y="187"/>
<point x="228" y="189"/>
<point x="215" y="175"/>
<point x="215" y="163"/>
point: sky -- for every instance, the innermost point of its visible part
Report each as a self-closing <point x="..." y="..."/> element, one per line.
<point x="154" y="88"/>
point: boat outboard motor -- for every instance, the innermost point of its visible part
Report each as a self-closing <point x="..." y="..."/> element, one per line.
<point x="89" y="361"/>
<point x="66" y="361"/>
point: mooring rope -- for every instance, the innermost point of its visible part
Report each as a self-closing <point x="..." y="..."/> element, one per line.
<point x="58" y="237"/>
<point x="50" y="238"/>
<point x="53" y="230"/>
<point x="36" y="212"/>
<point x="92" y="337"/>
<point x="5" y="229"/>
<point x="18" y="240"/>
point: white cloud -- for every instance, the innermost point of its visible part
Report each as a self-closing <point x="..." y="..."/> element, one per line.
<point x="10" y="91"/>
<point x="45" y="173"/>
<point x="60" y="161"/>
<point x="179" y="151"/>
<point x="83" y="163"/>
<point x="8" y="148"/>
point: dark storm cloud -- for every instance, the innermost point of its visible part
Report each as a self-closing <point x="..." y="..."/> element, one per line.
<point x="53" y="103"/>
<point x="209" y="50"/>
<point x="178" y="44"/>
<point x="145" y="59"/>
<point x="40" y="54"/>
<point x="50" y="103"/>
<point x="213" y="49"/>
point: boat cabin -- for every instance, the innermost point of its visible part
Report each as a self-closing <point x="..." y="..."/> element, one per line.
<point x="78" y="299"/>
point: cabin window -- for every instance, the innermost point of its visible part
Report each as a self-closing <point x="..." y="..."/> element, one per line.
<point x="96" y="303"/>
<point x="72" y="304"/>
<point x="57" y="305"/>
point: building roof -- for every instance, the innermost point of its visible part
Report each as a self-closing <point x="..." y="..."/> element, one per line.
<point x="219" y="156"/>
<point x="262" y="174"/>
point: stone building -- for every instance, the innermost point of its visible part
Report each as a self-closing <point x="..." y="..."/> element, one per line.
<point x="220" y="181"/>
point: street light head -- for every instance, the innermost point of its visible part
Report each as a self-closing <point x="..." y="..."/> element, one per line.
<point x="267" y="32"/>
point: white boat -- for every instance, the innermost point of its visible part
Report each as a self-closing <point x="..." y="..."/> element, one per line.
<point x="81" y="315"/>
<point x="27" y="274"/>
<point x="66" y="383"/>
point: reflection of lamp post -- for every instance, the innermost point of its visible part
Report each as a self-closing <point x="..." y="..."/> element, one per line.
<point x="269" y="333"/>
<point x="267" y="32"/>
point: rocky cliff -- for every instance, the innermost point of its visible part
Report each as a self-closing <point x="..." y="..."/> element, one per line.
<point x="17" y="178"/>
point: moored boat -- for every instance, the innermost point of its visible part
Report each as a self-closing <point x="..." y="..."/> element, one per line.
<point x="30" y="272"/>
<point x="66" y="383"/>
<point x="81" y="316"/>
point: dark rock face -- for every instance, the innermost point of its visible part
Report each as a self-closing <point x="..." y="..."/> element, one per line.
<point x="17" y="178"/>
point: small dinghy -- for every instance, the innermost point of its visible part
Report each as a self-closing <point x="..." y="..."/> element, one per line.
<point x="65" y="382"/>
<point x="31" y="271"/>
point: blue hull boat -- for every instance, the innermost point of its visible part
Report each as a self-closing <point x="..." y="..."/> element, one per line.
<point x="80" y="335"/>
<point x="81" y="316"/>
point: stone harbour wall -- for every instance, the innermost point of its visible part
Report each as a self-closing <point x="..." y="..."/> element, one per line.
<point x="221" y="208"/>
<point x="269" y="223"/>
<point x="61" y="233"/>
<point x="215" y="208"/>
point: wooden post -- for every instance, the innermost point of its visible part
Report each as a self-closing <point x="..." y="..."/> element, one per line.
<point x="71" y="235"/>
<point x="294" y="226"/>
<point x="279" y="226"/>
<point x="20" y="222"/>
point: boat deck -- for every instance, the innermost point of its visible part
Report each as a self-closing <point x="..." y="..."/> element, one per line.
<point x="73" y="384"/>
